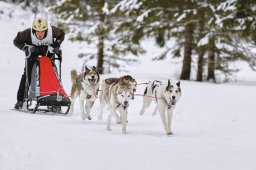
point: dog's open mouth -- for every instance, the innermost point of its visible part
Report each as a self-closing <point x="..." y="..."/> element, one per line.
<point x="92" y="81"/>
<point x="173" y="102"/>
<point x="125" y="107"/>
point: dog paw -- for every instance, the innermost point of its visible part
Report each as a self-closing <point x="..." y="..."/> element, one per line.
<point x="108" y="129"/>
<point x="124" y="132"/>
<point x="169" y="133"/>
<point x="88" y="117"/>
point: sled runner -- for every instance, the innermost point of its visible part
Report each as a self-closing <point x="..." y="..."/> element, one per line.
<point x="45" y="88"/>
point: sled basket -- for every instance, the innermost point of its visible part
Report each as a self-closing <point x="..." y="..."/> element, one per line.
<point x="45" y="86"/>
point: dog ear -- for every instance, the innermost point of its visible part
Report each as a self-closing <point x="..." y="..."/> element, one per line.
<point x="94" y="68"/>
<point x="169" y="85"/>
<point x="86" y="68"/>
<point x="178" y="84"/>
<point x="153" y="86"/>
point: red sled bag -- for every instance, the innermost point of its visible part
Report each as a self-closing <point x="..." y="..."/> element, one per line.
<point x="46" y="87"/>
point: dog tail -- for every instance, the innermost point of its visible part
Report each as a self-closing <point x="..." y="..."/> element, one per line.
<point x="73" y="76"/>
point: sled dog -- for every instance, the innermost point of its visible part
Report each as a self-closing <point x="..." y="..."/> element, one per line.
<point x="86" y="86"/>
<point x="117" y="93"/>
<point x="167" y="95"/>
<point x="127" y="79"/>
<point x="149" y="95"/>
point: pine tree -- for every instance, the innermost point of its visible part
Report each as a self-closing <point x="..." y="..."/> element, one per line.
<point x="200" y="50"/>
<point x="232" y="21"/>
<point x="163" y="20"/>
<point x="242" y="21"/>
<point x="93" y="23"/>
<point x="210" y="31"/>
<point x="186" y="66"/>
<point x="201" y="28"/>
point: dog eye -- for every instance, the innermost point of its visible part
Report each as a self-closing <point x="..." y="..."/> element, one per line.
<point x="122" y="95"/>
<point x="171" y="91"/>
<point x="129" y="96"/>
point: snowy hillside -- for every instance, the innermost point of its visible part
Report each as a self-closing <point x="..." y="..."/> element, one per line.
<point x="213" y="124"/>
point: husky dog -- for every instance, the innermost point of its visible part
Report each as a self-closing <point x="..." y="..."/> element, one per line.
<point x="149" y="95"/>
<point x="116" y="93"/>
<point x="86" y="86"/>
<point x="127" y="79"/>
<point x="167" y="96"/>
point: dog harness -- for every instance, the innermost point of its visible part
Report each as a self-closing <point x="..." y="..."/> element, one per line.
<point x="169" y="106"/>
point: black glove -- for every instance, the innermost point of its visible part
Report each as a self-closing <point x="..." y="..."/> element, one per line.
<point x="58" y="52"/>
<point x="28" y="50"/>
<point x="41" y="50"/>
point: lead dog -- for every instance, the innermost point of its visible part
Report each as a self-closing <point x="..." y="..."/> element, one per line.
<point x="117" y="93"/>
<point x="86" y="86"/>
<point x="167" y="95"/>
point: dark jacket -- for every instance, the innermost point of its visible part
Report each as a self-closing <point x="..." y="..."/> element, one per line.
<point x="24" y="37"/>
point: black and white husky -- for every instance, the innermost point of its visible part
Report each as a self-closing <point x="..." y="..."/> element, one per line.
<point x="116" y="93"/>
<point x="166" y="96"/>
<point x="86" y="86"/>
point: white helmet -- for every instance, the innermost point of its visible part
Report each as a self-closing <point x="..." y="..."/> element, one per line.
<point x="40" y="24"/>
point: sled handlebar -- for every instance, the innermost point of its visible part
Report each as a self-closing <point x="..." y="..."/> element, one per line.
<point x="47" y="48"/>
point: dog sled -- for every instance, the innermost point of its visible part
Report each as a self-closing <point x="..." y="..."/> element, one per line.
<point x="45" y="88"/>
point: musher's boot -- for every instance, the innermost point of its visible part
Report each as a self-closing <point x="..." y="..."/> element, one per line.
<point x="18" y="105"/>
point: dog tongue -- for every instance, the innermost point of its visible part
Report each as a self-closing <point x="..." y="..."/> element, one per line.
<point x="92" y="81"/>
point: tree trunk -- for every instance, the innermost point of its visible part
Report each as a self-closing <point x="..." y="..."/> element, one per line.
<point x="186" y="67"/>
<point x="201" y="49"/>
<point x="27" y="4"/>
<point x="200" y="64"/>
<point x="101" y="44"/>
<point x="100" y="54"/>
<point x="211" y="61"/>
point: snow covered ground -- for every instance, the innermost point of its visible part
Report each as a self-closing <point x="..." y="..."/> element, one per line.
<point x="213" y="124"/>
